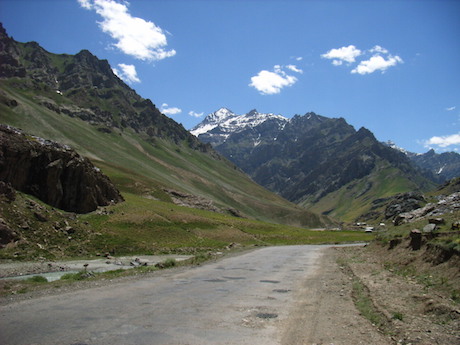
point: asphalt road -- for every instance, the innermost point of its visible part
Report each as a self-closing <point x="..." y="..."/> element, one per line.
<point x="244" y="299"/>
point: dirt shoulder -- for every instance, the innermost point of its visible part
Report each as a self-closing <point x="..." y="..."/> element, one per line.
<point x="325" y="311"/>
<point x="408" y="292"/>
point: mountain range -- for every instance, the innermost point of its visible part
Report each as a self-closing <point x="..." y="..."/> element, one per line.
<point x="78" y="101"/>
<point x="310" y="162"/>
<point x="322" y="163"/>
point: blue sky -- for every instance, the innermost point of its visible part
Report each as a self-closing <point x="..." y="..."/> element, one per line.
<point x="390" y="66"/>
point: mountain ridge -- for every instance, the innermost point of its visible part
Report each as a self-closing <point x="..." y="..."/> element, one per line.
<point x="311" y="157"/>
<point x="78" y="101"/>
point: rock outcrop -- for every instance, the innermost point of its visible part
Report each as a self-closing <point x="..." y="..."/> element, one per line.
<point x="404" y="202"/>
<point x="54" y="173"/>
<point x="446" y="204"/>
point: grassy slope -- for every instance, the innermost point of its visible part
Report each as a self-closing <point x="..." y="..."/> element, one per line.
<point x="142" y="168"/>
<point x="353" y="199"/>
<point x="144" y="226"/>
<point x="147" y="222"/>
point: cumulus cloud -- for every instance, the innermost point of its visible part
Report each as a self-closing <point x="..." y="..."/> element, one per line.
<point x="380" y="60"/>
<point x="85" y="4"/>
<point x="343" y="54"/>
<point x="195" y="114"/>
<point x="271" y="82"/>
<point x="127" y="73"/>
<point x="376" y="63"/>
<point x="167" y="110"/>
<point x="134" y="36"/>
<point x="379" y="49"/>
<point x="443" y="141"/>
<point x="294" y="68"/>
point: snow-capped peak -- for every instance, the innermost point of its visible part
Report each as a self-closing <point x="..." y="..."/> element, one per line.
<point x="220" y="115"/>
<point x="229" y="122"/>
<point x="212" y="121"/>
<point x="392" y="144"/>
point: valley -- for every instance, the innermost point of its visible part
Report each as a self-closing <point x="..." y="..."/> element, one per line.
<point x="257" y="205"/>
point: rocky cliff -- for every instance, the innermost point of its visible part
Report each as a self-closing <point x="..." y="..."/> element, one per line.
<point x="53" y="173"/>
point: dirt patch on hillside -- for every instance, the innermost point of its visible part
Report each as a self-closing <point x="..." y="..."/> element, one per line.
<point x="414" y="296"/>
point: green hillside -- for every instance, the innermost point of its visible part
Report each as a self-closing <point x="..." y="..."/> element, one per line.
<point x="359" y="199"/>
<point x="147" y="168"/>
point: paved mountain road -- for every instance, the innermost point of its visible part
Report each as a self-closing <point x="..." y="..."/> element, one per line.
<point x="272" y="295"/>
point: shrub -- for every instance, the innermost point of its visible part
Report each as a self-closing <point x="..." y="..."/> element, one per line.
<point x="37" y="279"/>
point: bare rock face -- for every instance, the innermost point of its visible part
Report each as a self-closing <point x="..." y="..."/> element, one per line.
<point x="53" y="173"/>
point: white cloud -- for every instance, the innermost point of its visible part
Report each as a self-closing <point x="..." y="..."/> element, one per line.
<point x="167" y="110"/>
<point x="127" y="73"/>
<point x="379" y="49"/>
<point x="380" y="61"/>
<point x="134" y="36"/>
<point x="344" y="54"/>
<point x="444" y="141"/>
<point x="269" y="83"/>
<point x="85" y="4"/>
<point x="294" y="68"/>
<point x="451" y="108"/>
<point x="195" y="114"/>
<point x="376" y="63"/>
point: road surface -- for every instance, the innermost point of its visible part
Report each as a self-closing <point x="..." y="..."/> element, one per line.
<point x="253" y="298"/>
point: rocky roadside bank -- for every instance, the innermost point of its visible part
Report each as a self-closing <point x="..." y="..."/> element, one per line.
<point x="411" y="305"/>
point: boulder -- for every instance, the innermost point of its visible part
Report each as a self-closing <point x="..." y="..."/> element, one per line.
<point x="437" y="221"/>
<point x="7" y="235"/>
<point x="53" y="173"/>
<point x="429" y="228"/>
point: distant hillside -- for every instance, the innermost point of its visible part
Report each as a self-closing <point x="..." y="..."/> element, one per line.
<point x="442" y="166"/>
<point x="78" y="101"/>
<point x="438" y="167"/>
<point x="319" y="162"/>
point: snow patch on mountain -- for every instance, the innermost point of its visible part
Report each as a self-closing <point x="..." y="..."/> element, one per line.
<point x="392" y="144"/>
<point x="224" y="122"/>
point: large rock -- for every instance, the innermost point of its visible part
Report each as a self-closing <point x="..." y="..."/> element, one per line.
<point x="403" y="203"/>
<point x="53" y="173"/>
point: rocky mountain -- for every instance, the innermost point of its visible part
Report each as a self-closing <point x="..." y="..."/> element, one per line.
<point x="442" y="166"/>
<point x="312" y="160"/>
<point x="92" y="91"/>
<point x="77" y="101"/>
<point x="54" y="173"/>
<point x="218" y="126"/>
<point x="438" y="167"/>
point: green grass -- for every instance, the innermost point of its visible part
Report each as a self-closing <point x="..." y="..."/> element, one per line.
<point x="142" y="225"/>
<point x="365" y="306"/>
<point x="82" y="275"/>
<point x="37" y="279"/>
<point x="397" y="316"/>
<point x="354" y="199"/>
